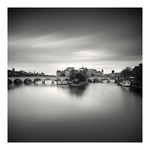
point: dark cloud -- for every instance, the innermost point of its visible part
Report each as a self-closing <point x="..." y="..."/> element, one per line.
<point x="62" y="37"/>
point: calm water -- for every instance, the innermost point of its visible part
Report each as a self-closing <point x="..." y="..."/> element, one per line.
<point x="101" y="112"/>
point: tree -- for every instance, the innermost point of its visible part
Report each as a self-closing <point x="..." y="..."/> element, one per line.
<point x="77" y="77"/>
<point x="125" y="73"/>
<point x="137" y="73"/>
<point x="63" y="74"/>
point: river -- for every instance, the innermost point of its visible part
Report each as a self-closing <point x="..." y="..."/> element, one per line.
<point x="99" y="112"/>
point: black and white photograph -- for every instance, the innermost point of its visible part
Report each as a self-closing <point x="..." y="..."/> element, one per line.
<point x="75" y="74"/>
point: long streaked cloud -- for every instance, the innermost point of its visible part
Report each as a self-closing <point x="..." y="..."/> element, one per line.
<point x="93" y="39"/>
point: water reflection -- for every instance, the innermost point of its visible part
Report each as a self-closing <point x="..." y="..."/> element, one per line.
<point x="63" y="86"/>
<point x="78" y="91"/>
<point x="52" y="84"/>
<point x="97" y="112"/>
<point x="38" y="83"/>
<point x="125" y="88"/>
<point x="13" y="86"/>
<point x="28" y="83"/>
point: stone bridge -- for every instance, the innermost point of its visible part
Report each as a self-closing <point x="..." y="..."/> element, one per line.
<point x="34" y="78"/>
<point x="60" y="80"/>
<point x="100" y="79"/>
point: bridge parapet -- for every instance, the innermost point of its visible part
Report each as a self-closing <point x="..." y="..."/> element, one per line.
<point x="100" y="78"/>
<point x="42" y="78"/>
<point x="32" y="78"/>
<point x="62" y="78"/>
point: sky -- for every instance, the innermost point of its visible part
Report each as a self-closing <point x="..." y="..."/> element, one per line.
<point x="51" y="39"/>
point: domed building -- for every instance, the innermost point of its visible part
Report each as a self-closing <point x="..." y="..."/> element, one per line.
<point x="85" y="70"/>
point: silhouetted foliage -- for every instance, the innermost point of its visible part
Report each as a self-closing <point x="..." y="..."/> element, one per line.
<point x="77" y="77"/>
<point x="125" y="73"/>
<point x="63" y="74"/>
<point x="137" y="73"/>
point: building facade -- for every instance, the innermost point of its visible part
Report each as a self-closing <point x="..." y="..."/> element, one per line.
<point x="68" y="71"/>
<point x="137" y="72"/>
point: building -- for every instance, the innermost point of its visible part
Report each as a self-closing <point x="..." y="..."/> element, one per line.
<point x="30" y="73"/>
<point x="94" y="72"/>
<point x="114" y="75"/>
<point x="137" y="72"/>
<point x="21" y="73"/>
<point x="11" y="73"/>
<point x="58" y="73"/>
<point x="68" y="71"/>
<point x="41" y="74"/>
<point x="87" y="72"/>
<point x="98" y="73"/>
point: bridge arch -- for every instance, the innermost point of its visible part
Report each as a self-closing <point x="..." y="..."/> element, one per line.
<point x="113" y="79"/>
<point x="28" y="80"/>
<point x="104" y="80"/>
<point x="49" y="79"/>
<point x="66" y="79"/>
<point x="37" y="79"/>
<point x="46" y="79"/>
<point x="89" y="80"/>
<point x="18" y="80"/>
<point x="96" y="80"/>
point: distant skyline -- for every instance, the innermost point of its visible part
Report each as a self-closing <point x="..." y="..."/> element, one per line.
<point x="51" y="39"/>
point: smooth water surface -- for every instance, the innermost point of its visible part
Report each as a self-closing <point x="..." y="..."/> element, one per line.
<point x="99" y="112"/>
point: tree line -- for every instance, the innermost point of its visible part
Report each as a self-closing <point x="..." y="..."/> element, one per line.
<point x="136" y="73"/>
